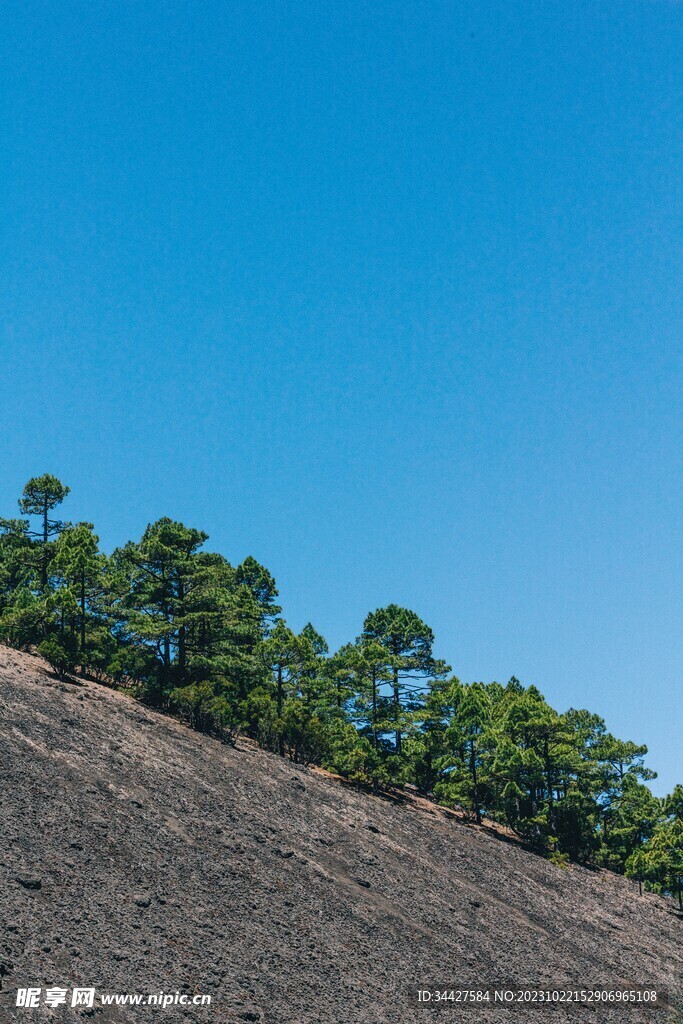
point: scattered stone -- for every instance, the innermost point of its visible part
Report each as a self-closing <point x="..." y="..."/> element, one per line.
<point x="29" y="881"/>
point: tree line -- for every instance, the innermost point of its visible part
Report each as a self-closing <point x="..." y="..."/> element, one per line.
<point x="183" y="629"/>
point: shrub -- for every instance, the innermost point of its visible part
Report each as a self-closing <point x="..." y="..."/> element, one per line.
<point x="59" y="655"/>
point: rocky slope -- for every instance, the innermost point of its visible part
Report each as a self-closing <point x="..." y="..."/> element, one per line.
<point x="137" y="856"/>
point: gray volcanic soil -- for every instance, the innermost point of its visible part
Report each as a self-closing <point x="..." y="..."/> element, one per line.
<point x="167" y="860"/>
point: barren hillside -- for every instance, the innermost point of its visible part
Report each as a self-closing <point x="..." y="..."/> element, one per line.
<point x="137" y="856"/>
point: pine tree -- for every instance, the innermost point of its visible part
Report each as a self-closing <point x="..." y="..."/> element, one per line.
<point x="23" y="617"/>
<point x="263" y="588"/>
<point x="78" y="562"/>
<point x="153" y="582"/>
<point x="536" y="762"/>
<point x="407" y="642"/>
<point x="41" y="496"/>
<point x="362" y="669"/>
<point x="466" y="765"/>
<point x="628" y="821"/>
<point x="673" y="803"/>
<point x="663" y="859"/>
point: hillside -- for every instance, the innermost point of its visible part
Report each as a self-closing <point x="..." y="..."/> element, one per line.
<point x="138" y="856"/>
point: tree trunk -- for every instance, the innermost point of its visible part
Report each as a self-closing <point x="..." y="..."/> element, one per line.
<point x="83" y="622"/>
<point x="43" y="564"/>
<point x="166" y="645"/>
<point x="397" y="711"/>
<point x="475" y="784"/>
<point x="280" y="701"/>
<point x="429" y="773"/>
<point x="182" y="639"/>
<point x="548" y="773"/>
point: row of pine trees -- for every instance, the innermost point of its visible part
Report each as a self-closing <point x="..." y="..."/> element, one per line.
<point x="183" y="629"/>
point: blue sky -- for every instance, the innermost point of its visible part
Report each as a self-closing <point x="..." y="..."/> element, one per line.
<point x="386" y="295"/>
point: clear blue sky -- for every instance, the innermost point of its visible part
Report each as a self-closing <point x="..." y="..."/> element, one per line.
<point x="387" y="295"/>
